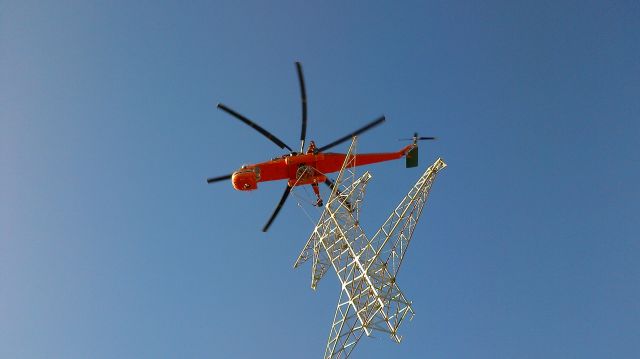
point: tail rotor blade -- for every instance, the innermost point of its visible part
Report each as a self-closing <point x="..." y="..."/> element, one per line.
<point x="220" y="178"/>
<point x="255" y="126"/>
<point x="354" y="133"/>
<point x="418" y="138"/>
<point x="277" y="210"/>
<point x="303" y="96"/>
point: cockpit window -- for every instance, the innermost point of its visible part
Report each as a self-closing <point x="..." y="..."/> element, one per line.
<point x="247" y="169"/>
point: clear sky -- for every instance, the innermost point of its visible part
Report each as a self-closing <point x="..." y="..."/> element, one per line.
<point x="113" y="246"/>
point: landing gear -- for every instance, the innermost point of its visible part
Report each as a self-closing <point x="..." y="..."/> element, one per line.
<point x="316" y="190"/>
<point x="307" y="174"/>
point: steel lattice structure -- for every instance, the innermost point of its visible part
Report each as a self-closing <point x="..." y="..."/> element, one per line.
<point x="370" y="299"/>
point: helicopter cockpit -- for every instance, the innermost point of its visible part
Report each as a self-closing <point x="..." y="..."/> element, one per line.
<point x="246" y="178"/>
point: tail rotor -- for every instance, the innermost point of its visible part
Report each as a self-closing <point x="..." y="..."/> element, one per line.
<point x="411" y="157"/>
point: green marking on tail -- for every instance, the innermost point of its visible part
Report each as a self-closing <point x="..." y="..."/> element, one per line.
<point x="412" y="157"/>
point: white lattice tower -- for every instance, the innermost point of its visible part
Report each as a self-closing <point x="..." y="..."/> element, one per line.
<point x="398" y="228"/>
<point x="370" y="298"/>
<point x="350" y="197"/>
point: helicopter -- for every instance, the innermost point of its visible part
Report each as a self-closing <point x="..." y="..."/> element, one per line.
<point x="306" y="167"/>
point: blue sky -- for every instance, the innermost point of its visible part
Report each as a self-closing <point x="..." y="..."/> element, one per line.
<point x="113" y="246"/>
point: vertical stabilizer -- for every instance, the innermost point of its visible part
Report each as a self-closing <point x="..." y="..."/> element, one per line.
<point x="412" y="158"/>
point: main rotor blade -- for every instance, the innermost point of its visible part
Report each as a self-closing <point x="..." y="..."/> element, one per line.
<point x="329" y="183"/>
<point x="264" y="132"/>
<point x="303" y="96"/>
<point x="277" y="210"/>
<point x="216" y="179"/>
<point x="355" y="133"/>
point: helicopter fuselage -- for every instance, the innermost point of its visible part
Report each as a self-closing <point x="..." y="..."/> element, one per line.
<point x="301" y="169"/>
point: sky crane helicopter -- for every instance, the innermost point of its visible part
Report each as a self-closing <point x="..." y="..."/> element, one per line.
<point x="307" y="167"/>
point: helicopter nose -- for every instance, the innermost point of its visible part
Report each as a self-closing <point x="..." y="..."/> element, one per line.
<point x="244" y="180"/>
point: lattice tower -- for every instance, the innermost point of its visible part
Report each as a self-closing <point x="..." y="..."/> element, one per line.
<point x="370" y="299"/>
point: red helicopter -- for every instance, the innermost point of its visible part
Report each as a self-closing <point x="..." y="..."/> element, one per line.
<point x="306" y="167"/>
